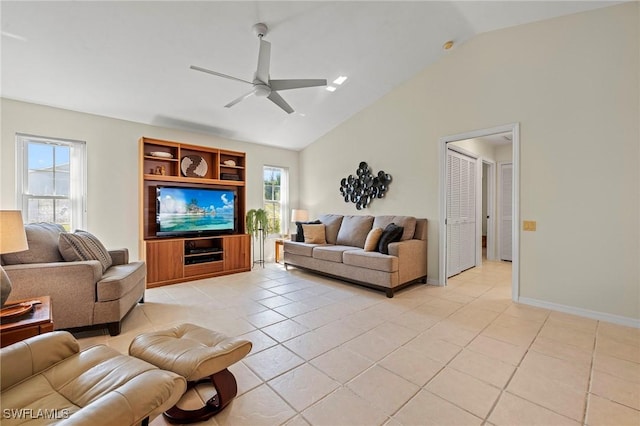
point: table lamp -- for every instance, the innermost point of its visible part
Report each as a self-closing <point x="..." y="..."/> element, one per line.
<point x="298" y="215"/>
<point x="12" y="239"/>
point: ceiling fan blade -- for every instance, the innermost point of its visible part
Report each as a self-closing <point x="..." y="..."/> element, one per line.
<point x="277" y="99"/>
<point x="264" y="57"/>
<point x="241" y="98"/>
<point x="219" y="74"/>
<point x="295" y="84"/>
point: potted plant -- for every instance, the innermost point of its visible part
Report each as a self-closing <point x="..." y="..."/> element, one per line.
<point x="257" y="224"/>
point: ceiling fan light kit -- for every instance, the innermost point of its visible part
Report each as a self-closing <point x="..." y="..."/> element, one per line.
<point x="263" y="86"/>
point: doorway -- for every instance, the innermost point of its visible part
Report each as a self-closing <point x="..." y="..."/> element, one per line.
<point x="494" y="244"/>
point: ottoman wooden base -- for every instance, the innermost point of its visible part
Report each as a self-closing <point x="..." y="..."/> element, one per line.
<point x="226" y="388"/>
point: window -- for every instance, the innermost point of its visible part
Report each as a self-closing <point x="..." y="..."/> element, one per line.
<point x="51" y="177"/>
<point x="276" y="198"/>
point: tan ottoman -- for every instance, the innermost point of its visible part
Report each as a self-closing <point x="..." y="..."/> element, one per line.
<point x="199" y="355"/>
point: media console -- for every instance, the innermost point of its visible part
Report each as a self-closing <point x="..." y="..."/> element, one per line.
<point x="177" y="258"/>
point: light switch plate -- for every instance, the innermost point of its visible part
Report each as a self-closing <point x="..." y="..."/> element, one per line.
<point x="529" y="225"/>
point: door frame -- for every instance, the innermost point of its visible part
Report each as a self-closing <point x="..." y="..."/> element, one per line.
<point x="514" y="128"/>
<point x="500" y="183"/>
<point x="491" y="207"/>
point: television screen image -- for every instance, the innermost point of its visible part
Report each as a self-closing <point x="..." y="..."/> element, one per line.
<point x="187" y="211"/>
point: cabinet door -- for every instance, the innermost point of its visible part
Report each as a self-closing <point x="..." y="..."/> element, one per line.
<point x="164" y="260"/>
<point x="237" y="252"/>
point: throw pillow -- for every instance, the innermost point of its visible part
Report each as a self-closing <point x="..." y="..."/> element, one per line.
<point x="373" y="237"/>
<point x="314" y="234"/>
<point x="300" y="234"/>
<point x="391" y="234"/>
<point x="82" y="245"/>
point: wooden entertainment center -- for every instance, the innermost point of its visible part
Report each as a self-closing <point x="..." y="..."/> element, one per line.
<point x="173" y="259"/>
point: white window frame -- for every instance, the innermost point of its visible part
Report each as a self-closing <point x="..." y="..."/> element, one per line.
<point x="284" y="197"/>
<point x="77" y="177"/>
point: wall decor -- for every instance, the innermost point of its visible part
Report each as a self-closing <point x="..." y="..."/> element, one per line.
<point x="364" y="187"/>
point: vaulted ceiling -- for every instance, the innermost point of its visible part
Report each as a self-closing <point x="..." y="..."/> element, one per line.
<point x="130" y="60"/>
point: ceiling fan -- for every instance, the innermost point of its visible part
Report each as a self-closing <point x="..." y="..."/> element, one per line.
<point x="263" y="86"/>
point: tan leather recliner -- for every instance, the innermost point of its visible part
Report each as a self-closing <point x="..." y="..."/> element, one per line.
<point x="46" y="379"/>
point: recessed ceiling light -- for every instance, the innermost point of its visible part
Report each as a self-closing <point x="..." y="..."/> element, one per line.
<point x="448" y="45"/>
<point x="331" y="89"/>
<point x="340" y="79"/>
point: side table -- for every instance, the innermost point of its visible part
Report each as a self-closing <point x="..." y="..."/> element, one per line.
<point x="279" y="243"/>
<point x="38" y="321"/>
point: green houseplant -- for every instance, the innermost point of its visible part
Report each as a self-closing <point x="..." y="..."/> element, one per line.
<point x="257" y="221"/>
<point x="257" y="225"/>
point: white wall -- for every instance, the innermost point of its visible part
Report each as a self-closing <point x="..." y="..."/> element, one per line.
<point x="112" y="151"/>
<point x="573" y="85"/>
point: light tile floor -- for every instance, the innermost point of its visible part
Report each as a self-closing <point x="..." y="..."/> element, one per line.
<point x="330" y="353"/>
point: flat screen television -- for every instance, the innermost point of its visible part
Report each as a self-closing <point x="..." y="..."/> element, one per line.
<point x="195" y="211"/>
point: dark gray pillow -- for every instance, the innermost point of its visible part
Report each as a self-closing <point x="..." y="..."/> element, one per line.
<point x="391" y="234"/>
<point x="300" y="234"/>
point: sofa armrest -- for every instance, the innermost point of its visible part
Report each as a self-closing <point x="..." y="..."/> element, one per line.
<point x="30" y="356"/>
<point x="412" y="259"/>
<point x="119" y="256"/>
<point x="71" y="285"/>
<point x="146" y="395"/>
<point x="41" y="279"/>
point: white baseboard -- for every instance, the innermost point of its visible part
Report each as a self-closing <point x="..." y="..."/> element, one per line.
<point x="433" y="281"/>
<point x="600" y="316"/>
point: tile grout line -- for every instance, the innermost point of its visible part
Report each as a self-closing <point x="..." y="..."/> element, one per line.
<point x="504" y="388"/>
<point x="591" y="367"/>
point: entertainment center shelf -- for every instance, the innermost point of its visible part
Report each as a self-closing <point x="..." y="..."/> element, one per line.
<point x="201" y="231"/>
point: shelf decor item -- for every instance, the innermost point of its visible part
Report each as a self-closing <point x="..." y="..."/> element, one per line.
<point x="194" y="166"/>
<point x="12" y="239"/>
<point x="257" y="226"/>
<point x="161" y="154"/>
<point x="364" y="187"/>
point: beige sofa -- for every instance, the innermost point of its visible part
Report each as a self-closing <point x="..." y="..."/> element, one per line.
<point x="343" y="256"/>
<point x="82" y="294"/>
<point x="46" y="379"/>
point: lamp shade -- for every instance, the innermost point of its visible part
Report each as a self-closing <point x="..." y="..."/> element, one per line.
<point x="298" y="215"/>
<point x="12" y="235"/>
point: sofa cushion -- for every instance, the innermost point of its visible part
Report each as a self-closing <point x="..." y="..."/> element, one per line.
<point x="300" y="231"/>
<point x="82" y="245"/>
<point x="43" y="245"/>
<point x="332" y="224"/>
<point x="371" y="243"/>
<point x="391" y="234"/>
<point x="301" y="249"/>
<point x="331" y="253"/>
<point x="314" y="234"/>
<point x="119" y="280"/>
<point x="354" y="230"/>
<point x="370" y="260"/>
<point x="407" y="222"/>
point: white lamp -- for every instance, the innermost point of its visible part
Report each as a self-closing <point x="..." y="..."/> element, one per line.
<point x="12" y="239"/>
<point x="298" y="215"/>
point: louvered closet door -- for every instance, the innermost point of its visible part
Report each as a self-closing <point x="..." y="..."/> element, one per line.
<point x="506" y="211"/>
<point x="461" y="212"/>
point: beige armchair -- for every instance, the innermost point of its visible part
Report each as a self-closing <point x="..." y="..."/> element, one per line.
<point x="82" y="294"/>
<point x="48" y="379"/>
